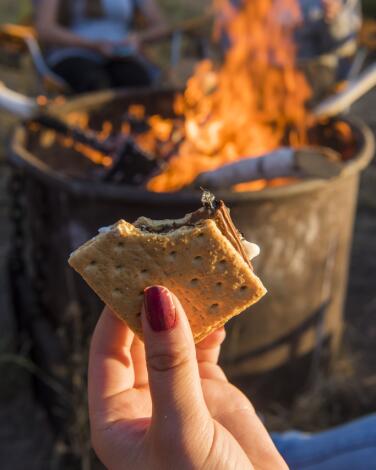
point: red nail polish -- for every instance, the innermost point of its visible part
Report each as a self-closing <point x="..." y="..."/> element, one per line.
<point x="159" y="308"/>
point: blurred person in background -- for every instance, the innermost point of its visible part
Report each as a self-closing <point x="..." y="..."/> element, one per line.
<point x="325" y="35"/>
<point x="91" y="45"/>
<point x="327" y="41"/>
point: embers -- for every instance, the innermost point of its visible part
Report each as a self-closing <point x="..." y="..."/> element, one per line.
<point x="130" y="165"/>
<point x="122" y="160"/>
<point x="336" y="134"/>
<point x="131" y="159"/>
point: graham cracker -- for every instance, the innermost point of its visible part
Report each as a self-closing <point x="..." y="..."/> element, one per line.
<point x="197" y="263"/>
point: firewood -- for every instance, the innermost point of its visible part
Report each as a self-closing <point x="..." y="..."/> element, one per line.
<point x="17" y="104"/>
<point x="334" y="105"/>
<point x="309" y="162"/>
<point x="130" y="164"/>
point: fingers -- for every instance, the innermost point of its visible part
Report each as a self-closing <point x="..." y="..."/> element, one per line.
<point x="208" y="350"/>
<point x="139" y="363"/>
<point x="211" y="371"/>
<point x="110" y="363"/>
<point x="174" y="380"/>
<point x="207" y="353"/>
<point x="254" y="439"/>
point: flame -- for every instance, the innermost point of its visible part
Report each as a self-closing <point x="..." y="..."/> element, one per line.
<point x="250" y="106"/>
<point x="41" y="100"/>
<point x="106" y="130"/>
<point x="59" y="100"/>
<point x="80" y="119"/>
<point x="262" y="184"/>
<point x="94" y="155"/>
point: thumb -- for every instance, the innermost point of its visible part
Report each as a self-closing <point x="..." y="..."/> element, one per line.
<point x="174" y="379"/>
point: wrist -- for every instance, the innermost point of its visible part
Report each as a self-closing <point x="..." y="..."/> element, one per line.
<point x="136" y="38"/>
<point x="94" y="46"/>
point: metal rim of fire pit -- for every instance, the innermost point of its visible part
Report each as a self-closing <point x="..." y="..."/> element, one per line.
<point x="22" y="158"/>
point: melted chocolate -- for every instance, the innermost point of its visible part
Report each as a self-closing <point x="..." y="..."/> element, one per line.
<point x="189" y="221"/>
<point x="218" y="212"/>
<point x="226" y="226"/>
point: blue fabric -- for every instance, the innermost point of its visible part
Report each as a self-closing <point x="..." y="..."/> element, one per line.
<point x="318" y="37"/>
<point x="348" y="447"/>
<point x="114" y="26"/>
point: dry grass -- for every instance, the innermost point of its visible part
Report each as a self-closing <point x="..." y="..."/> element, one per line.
<point x="346" y="394"/>
<point x="11" y="10"/>
<point x="14" y="11"/>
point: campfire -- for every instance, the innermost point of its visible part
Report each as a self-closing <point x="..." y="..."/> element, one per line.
<point x="249" y="106"/>
<point x="95" y="159"/>
<point x="288" y="169"/>
<point x="254" y="107"/>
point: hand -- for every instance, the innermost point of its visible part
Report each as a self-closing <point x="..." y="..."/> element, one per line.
<point x="168" y="405"/>
<point x="104" y="48"/>
<point x="332" y="8"/>
<point x="133" y="40"/>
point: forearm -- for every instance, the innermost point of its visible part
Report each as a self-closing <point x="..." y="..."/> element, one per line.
<point x="157" y="25"/>
<point x="60" y="36"/>
<point x="153" y="33"/>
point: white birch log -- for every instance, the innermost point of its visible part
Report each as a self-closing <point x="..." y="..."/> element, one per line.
<point x="17" y="104"/>
<point x="336" y="104"/>
<point x="310" y="162"/>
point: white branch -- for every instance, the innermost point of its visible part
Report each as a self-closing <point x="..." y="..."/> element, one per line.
<point x="313" y="162"/>
<point x="17" y="104"/>
<point x="356" y="88"/>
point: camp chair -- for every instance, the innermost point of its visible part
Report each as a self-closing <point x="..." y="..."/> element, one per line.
<point x="366" y="47"/>
<point x="24" y="39"/>
<point x="368" y="34"/>
<point x="21" y="39"/>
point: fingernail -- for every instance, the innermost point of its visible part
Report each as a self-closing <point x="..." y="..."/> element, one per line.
<point x="159" y="308"/>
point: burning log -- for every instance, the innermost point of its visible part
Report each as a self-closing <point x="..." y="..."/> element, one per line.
<point x="136" y="125"/>
<point x="28" y="108"/>
<point x="130" y="165"/>
<point x="313" y="162"/>
<point x="88" y="138"/>
<point x="17" y="104"/>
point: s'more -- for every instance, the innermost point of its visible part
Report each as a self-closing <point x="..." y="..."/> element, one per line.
<point x="202" y="258"/>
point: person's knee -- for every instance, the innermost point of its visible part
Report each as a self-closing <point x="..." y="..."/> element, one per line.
<point x="95" y="80"/>
<point x="83" y="75"/>
<point x="130" y="73"/>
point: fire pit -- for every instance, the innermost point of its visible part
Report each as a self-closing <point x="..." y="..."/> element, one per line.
<point x="304" y="230"/>
<point x="154" y="152"/>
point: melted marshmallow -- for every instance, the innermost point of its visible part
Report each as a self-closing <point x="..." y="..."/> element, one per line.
<point x="251" y="249"/>
<point x="105" y="229"/>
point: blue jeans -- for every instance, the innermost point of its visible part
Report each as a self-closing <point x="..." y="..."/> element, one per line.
<point x="348" y="447"/>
